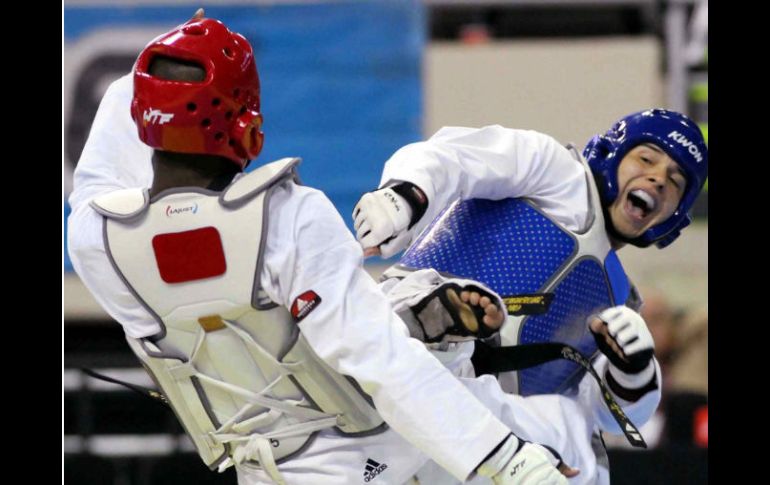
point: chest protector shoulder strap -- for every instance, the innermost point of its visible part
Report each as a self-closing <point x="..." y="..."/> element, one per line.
<point x="240" y="377"/>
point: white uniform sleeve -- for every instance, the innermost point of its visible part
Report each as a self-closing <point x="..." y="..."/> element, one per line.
<point x="493" y="163"/>
<point x="639" y="412"/>
<point x="113" y="157"/>
<point x="558" y="421"/>
<point x="355" y="330"/>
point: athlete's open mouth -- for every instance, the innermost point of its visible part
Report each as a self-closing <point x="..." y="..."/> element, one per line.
<point x="642" y="203"/>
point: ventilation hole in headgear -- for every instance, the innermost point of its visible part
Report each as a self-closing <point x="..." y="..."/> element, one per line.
<point x="191" y="107"/>
<point x="229" y="115"/>
<point x="215" y="102"/>
<point x="228" y="53"/>
<point x="219" y="137"/>
<point x="243" y="109"/>
<point x="194" y="30"/>
<point x="206" y="123"/>
<point x="231" y="142"/>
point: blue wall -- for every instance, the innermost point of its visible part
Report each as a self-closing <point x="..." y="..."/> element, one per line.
<point x="341" y="84"/>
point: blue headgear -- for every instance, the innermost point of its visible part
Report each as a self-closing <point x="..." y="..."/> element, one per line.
<point x="675" y="134"/>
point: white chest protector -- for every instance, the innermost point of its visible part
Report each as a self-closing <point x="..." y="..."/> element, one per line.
<point x="234" y="367"/>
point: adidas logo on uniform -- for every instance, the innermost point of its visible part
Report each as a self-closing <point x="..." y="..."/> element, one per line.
<point x="301" y="304"/>
<point x="304" y="304"/>
<point x="373" y="469"/>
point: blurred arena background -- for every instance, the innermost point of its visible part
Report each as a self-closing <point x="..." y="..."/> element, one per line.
<point x="346" y="83"/>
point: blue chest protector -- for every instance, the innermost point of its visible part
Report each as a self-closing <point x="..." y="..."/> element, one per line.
<point x="512" y="247"/>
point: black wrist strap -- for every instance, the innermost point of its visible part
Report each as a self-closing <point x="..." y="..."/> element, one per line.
<point x="630" y="395"/>
<point x="415" y="197"/>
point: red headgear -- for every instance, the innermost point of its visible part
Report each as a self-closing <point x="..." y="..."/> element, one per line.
<point x="216" y="116"/>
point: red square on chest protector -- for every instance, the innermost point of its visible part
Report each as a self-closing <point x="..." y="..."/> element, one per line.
<point x="189" y="255"/>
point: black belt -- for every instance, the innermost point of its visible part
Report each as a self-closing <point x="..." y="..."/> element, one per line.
<point x="510" y="358"/>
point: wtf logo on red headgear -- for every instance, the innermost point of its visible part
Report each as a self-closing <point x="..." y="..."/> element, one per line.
<point x="156" y="116"/>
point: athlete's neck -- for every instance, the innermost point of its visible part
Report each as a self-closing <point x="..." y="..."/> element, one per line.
<point x="173" y="170"/>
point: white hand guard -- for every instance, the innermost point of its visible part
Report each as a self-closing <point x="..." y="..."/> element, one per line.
<point x="629" y="332"/>
<point x="381" y="219"/>
<point x="530" y="464"/>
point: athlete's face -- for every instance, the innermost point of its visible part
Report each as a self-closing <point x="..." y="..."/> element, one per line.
<point x="650" y="186"/>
